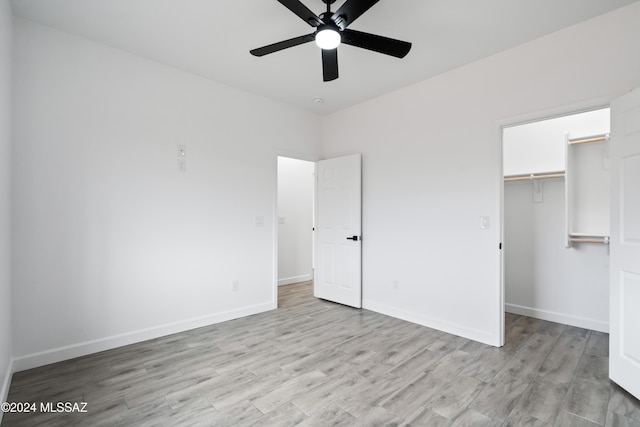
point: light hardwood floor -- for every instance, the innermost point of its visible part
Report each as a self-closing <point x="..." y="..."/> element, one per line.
<point x="315" y="363"/>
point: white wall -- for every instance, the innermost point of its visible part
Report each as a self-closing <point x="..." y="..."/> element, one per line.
<point x="539" y="147"/>
<point x="431" y="167"/>
<point x="5" y="178"/>
<point x="295" y="220"/>
<point x="543" y="279"/>
<point x="111" y="243"/>
<point x="589" y="189"/>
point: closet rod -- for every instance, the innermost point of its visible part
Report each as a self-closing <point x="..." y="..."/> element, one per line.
<point x="532" y="176"/>
<point x="604" y="240"/>
<point x="596" y="138"/>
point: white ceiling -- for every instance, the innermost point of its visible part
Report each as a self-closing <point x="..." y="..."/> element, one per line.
<point x="212" y="38"/>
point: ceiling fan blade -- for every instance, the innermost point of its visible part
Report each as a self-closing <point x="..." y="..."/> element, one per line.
<point x="350" y="11"/>
<point x="380" y="44"/>
<point x="265" y="50"/>
<point x="329" y="64"/>
<point x="302" y="11"/>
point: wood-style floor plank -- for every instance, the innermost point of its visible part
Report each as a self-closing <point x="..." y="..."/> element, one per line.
<point x="315" y="363"/>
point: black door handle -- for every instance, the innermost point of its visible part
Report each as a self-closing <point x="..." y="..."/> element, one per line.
<point x="354" y="238"/>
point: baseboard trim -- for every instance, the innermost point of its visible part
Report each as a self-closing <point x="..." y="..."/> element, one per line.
<point x="295" y="279"/>
<point x="4" y="392"/>
<point x="430" y="322"/>
<point x="35" y="360"/>
<point x="553" y="316"/>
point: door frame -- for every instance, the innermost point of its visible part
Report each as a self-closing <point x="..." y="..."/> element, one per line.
<point x="291" y="155"/>
<point x="500" y="125"/>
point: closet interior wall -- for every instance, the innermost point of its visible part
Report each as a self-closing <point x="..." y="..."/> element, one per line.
<point x="544" y="278"/>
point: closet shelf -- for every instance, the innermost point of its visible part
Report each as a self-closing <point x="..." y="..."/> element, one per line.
<point x="533" y="176"/>
<point x="589" y="139"/>
<point x="589" y="239"/>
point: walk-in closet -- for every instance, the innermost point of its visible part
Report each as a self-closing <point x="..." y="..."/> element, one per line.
<point x="556" y="219"/>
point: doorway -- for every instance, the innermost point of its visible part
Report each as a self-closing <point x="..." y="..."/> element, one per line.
<point x="556" y="219"/>
<point x="295" y="212"/>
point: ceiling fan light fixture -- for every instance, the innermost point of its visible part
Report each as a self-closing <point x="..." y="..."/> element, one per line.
<point x="328" y="39"/>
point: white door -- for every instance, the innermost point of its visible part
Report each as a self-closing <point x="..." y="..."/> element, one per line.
<point x="624" y="339"/>
<point x="338" y="272"/>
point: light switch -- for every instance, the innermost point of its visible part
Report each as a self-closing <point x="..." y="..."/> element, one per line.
<point x="182" y="150"/>
<point x="280" y="220"/>
<point x="484" y="222"/>
<point x="259" y="221"/>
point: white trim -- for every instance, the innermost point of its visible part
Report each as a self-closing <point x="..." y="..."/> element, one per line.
<point x="500" y="327"/>
<point x="295" y="279"/>
<point x="592" y="104"/>
<point x="88" y="347"/>
<point x="441" y="325"/>
<point x="553" y="316"/>
<point x="4" y="392"/>
<point x="298" y="156"/>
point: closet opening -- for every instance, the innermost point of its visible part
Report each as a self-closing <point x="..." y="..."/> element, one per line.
<point x="556" y="219"/>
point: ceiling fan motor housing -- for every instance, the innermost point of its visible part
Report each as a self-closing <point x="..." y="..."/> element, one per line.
<point x="332" y="19"/>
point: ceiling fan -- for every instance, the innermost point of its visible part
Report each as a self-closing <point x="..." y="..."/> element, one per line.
<point x="331" y="30"/>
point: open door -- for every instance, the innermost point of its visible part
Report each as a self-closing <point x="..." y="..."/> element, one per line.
<point x="624" y="351"/>
<point x="338" y="272"/>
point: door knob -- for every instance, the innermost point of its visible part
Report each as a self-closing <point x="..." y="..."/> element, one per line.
<point x="354" y="238"/>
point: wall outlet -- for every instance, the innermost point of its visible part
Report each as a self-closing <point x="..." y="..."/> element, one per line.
<point x="396" y="284"/>
<point x="182" y="150"/>
<point x="182" y="165"/>
<point x="235" y="286"/>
